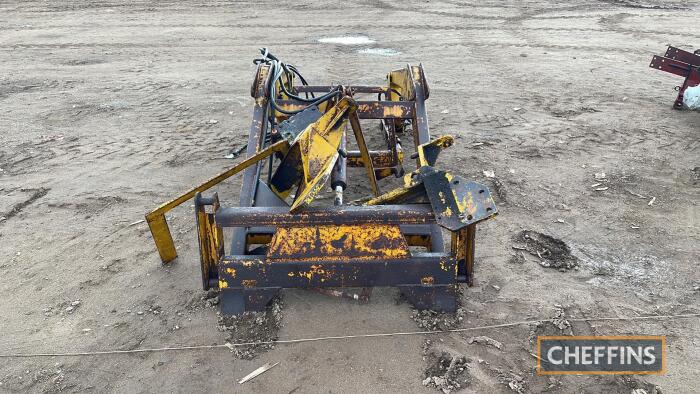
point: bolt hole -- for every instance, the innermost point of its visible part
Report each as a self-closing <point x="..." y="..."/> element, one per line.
<point x="470" y="217"/>
<point x="481" y="191"/>
<point x="489" y="209"/>
<point x="455" y="182"/>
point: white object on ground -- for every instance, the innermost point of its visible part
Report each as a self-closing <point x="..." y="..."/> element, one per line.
<point x="257" y="372"/>
<point x="379" y="51"/>
<point x="691" y="98"/>
<point x="346" y="40"/>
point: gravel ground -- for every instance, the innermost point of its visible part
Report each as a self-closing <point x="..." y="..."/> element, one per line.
<point x="108" y="108"/>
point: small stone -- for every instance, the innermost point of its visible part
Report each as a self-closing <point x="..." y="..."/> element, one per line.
<point x="87" y="329"/>
<point x="213" y="121"/>
<point x="70" y="309"/>
<point x="489" y="173"/>
<point x="486" y="341"/>
<point x="139" y="313"/>
<point x="498" y="288"/>
<point x="75" y="303"/>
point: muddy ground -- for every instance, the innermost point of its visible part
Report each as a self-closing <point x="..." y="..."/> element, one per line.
<point x="108" y="108"/>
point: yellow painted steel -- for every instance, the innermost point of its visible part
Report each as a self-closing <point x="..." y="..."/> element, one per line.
<point x="211" y="240"/>
<point x="156" y="218"/>
<point x="395" y="195"/>
<point x="401" y="83"/>
<point x="364" y="153"/>
<point x="443" y="142"/>
<point x="318" y="146"/>
<point x="338" y="242"/>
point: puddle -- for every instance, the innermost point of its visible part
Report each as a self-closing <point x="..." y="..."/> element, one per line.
<point x="379" y="51"/>
<point x="346" y="40"/>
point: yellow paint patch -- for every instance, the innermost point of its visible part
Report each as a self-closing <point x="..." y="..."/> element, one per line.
<point x="223" y="284"/>
<point x="466" y="204"/>
<point x="393" y="111"/>
<point x="356" y="242"/>
<point x="448" y="211"/>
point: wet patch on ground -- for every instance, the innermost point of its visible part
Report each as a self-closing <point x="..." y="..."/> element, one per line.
<point x="257" y="328"/>
<point x="550" y="252"/>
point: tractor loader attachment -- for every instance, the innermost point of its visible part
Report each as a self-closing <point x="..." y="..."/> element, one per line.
<point x="679" y="62"/>
<point x="304" y="141"/>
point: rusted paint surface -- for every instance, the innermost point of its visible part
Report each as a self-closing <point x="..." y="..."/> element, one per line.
<point x="364" y="153"/>
<point x="385" y="163"/>
<point x="258" y="239"/>
<point x="428" y="152"/>
<point x="682" y="63"/>
<point x="457" y="203"/>
<point x="345" y="242"/>
<point x="319" y="216"/>
<point x="385" y="110"/>
<point x="156" y="218"/>
<point x="409" y="271"/>
<point x="380" y="159"/>
<point x="312" y="156"/>
<point x="419" y="240"/>
<point x="249" y="282"/>
<point x="365" y="109"/>
<point x="211" y="247"/>
<point x="341" y="246"/>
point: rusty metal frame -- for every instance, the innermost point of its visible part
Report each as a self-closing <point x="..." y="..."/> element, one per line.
<point x="375" y="244"/>
<point x="682" y="63"/>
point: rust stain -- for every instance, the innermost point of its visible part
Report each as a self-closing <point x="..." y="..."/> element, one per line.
<point x="249" y="282"/>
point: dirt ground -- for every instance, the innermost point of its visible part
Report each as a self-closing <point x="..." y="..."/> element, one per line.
<point x="108" y="108"/>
